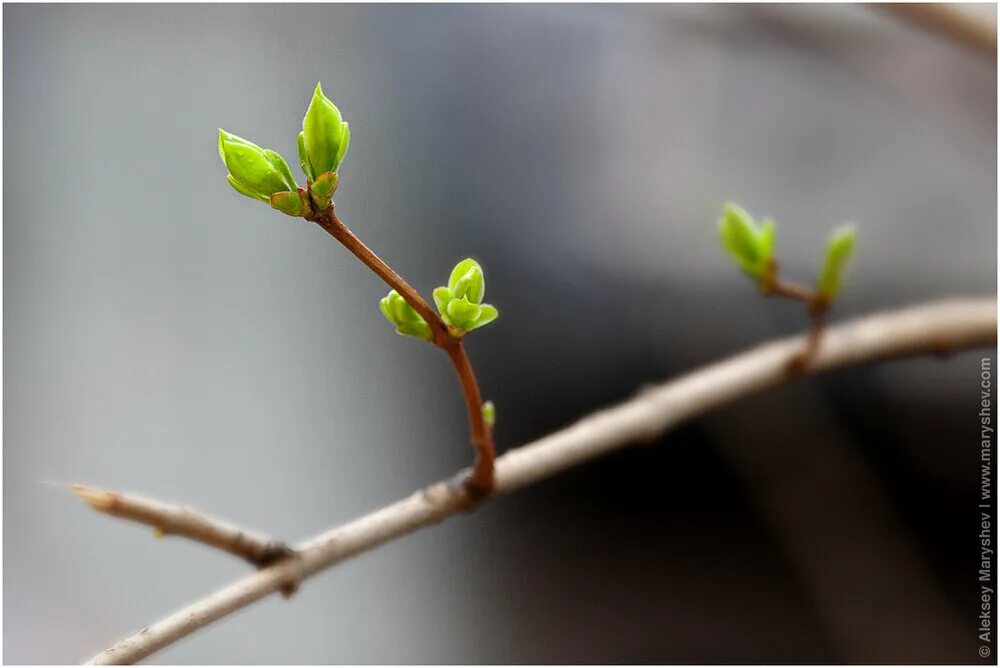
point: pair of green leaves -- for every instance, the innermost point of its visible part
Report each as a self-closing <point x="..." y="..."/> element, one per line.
<point x="752" y="248"/>
<point x="263" y="174"/>
<point x="460" y="304"/>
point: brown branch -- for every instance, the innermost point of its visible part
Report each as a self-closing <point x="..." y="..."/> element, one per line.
<point x="772" y="285"/>
<point x="329" y="221"/>
<point x="930" y="329"/>
<point x="173" y="520"/>
<point x="481" y="480"/>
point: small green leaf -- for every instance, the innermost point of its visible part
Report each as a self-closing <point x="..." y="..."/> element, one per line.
<point x="406" y="320"/>
<point x="385" y="304"/>
<point x="323" y="188"/>
<point x="442" y="296"/>
<point x="325" y="135"/>
<point x="750" y="246"/>
<point x="303" y="157"/>
<point x="839" y="248"/>
<point x="487" y="315"/>
<point x="281" y="166"/>
<point x="241" y="189"/>
<point x="489" y="414"/>
<point x="462" y="313"/>
<point x="418" y="330"/>
<point x="289" y="202"/>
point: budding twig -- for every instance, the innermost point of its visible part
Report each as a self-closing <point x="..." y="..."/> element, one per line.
<point x="480" y="481"/>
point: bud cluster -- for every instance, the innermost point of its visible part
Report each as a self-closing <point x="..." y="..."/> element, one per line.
<point x="751" y="247"/>
<point x="263" y="174"/>
<point x="461" y="302"/>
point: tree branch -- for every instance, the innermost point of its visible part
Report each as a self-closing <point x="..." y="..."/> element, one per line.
<point x="169" y="519"/>
<point x="938" y="328"/>
<point x="332" y="224"/>
<point x="480" y="481"/>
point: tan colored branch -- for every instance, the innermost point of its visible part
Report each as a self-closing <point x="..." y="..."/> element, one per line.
<point x="938" y="328"/>
<point x="168" y="519"/>
<point x="969" y="26"/>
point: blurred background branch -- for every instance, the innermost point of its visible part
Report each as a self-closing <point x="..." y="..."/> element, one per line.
<point x="971" y="25"/>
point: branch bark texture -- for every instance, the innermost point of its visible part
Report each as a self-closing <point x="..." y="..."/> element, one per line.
<point x="938" y="328"/>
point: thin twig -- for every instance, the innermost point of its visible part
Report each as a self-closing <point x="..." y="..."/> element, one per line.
<point x="772" y="285"/>
<point x="174" y="520"/>
<point x="936" y="328"/>
<point x="481" y="480"/>
<point x="330" y="222"/>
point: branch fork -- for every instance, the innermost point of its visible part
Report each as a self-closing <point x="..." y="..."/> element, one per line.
<point x="817" y="306"/>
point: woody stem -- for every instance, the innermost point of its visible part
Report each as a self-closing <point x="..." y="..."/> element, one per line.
<point x="480" y="483"/>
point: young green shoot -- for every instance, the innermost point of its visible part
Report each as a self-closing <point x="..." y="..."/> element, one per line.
<point x="752" y="248"/>
<point x="264" y="175"/>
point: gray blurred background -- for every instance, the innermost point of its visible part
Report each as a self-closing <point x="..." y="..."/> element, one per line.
<point x="167" y="336"/>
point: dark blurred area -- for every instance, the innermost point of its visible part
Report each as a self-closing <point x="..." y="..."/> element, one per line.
<point x="166" y="336"/>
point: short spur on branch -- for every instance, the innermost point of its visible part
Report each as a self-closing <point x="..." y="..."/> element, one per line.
<point x="751" y="247"/>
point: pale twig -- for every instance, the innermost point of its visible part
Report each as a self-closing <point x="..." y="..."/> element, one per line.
<point x="939" y="329"/>
<point x="169" y="519"/>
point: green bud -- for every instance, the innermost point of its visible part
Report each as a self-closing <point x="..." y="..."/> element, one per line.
<point x="487" y="315"/>
<point x="303" y="158"/>
<point x="489" y="414"/>
<point x="289" y="202"/>
<point x="750" y="246"/>
<point x="460" y="304"/>
<point x="407" y="321"/>
<point x="322" y="189"/>
<point x="254" y="171"/>
<point x="324" y="138"/>
<point x="442" y="296"/>
<point x="467" y="280"/>
<point x="839" y="248"/>
<point x="462" y="313"/>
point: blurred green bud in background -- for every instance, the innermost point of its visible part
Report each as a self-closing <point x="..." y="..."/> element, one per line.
<point x="751" y="246"/>
<point x="839" y="248"/>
